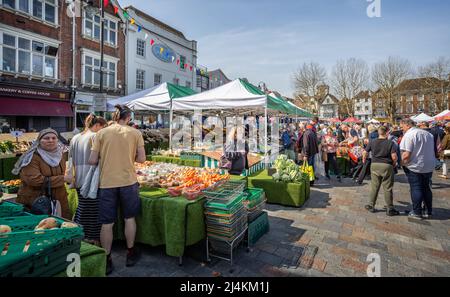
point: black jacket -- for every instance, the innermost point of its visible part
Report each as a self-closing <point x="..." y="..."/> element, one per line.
<point x="309" y="144"/>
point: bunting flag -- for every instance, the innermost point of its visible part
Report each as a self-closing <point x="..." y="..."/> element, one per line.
<point x="152" y="42"/>
<point x="191" y="67"/>
<point x="185" y="66"/>
<point x="161" y="50"/>
<point x="105" y="3"/>
<point x="140" y="29"/>
<point x="178" y="61"/>
<point x="116" y="9"/>
<point x="132" y="21"/>
<point x="125" y="15"/>
<point x="146" y="36"/>
<point x="173" y="58"/>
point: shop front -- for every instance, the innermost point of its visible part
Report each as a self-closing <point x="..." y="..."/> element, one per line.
<point x="31" y="108"/>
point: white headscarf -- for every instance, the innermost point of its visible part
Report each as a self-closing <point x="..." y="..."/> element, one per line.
<point x="51" y="158"/>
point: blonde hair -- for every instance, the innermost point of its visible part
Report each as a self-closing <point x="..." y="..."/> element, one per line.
<point x="371" y="128"/>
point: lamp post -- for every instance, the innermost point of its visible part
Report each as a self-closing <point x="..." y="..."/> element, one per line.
<point x="91" y="10"/>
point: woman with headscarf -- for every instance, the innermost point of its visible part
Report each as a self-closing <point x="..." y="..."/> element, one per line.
<point x="44" y="159"/>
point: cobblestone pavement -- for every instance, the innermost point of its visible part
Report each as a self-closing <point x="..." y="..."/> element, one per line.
<point x="331" y="235"/>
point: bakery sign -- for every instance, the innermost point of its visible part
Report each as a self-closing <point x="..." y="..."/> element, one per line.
<point x="10" y="91"/>
<point x="163" y="53"/>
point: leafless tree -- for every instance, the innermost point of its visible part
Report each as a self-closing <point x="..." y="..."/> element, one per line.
<point x="306" y="81"/>
<point x="436" y="78"/>
<point x="349" y="77"/>
<point x="387" y="76"/>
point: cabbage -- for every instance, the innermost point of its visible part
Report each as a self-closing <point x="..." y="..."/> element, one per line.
<point x="285" y="178"/>
<point x="276" y="176"/>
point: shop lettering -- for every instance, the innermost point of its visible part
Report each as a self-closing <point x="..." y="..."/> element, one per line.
<point x="191" y="287"/>
<point x="25" y="92"/>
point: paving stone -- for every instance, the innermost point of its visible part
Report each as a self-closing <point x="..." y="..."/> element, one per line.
<point x="270" y="259"/>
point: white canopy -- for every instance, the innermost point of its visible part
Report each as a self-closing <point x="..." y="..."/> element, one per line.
<point x="422" y="118"/>
<point x="442" y="114"/>
<point x="231" y="95"/>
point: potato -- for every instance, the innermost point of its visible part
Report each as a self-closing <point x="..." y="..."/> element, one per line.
<point x="68" y="225"/>
<point x="5" y="229"/>
<point x="47" y="223"/>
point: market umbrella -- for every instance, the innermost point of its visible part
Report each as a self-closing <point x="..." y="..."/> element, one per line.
<point x="352" y="120"/>
<point x="443" y="117"/>
<point x="422" y="118"/>
<point x="373" y="121"/>
<point x="334" y="120"/>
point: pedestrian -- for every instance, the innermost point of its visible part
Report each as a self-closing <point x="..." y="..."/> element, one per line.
<point x="87" y="211"/>
<point x="329" y="148"/>
<point x="444" y="153"/>
<point x="363" y="134"/>
<point x="6" y="128"/>
<point x="288" y="139"/>
<point x="418" y="159"/>
<point x="41" y="166"/>
<point x="309" y="147"/>
<point x="384" y="159"/>
<point x="115" y="149"/>
<point x="237" y="152"/>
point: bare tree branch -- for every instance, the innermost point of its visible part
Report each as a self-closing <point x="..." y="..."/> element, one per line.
<point x="436" y="75"/>
<point x="306" y="80"/>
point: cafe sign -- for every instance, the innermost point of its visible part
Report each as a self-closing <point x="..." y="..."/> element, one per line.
<point x="23" y="92"/>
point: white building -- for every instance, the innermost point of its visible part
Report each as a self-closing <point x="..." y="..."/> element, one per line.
<point x="329" y="107"/>
<point x="363" y="106"/>
<point x="157" y="54"/>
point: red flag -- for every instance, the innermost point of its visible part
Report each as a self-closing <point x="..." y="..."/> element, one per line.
<point x="116" y="9"/>
<point x="152" y="42"/>
<point x="105" y="3"/>
<point x="191" y="67"/>
<point x="178" y="62"/>
<point x="185" y="66"/>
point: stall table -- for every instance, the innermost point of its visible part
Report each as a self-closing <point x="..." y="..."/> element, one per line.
<point x="289" y="194"/>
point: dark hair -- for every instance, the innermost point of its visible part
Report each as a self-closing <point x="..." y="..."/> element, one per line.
<point x="122" y="112"/>
<point x="92" y="120"/>
<point x="408" y="122"/>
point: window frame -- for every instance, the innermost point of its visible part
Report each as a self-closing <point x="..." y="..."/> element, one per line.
<point x="95" y="65"/>
<point x="32" y="55"/>
<point x="30" y="9"/>
<point x="154" y="79"/>
<point x="144" y="49"/>
<point x="107" y="27"/>
<point x="140" y="79"/>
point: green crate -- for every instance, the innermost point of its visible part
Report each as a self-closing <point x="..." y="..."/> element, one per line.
<point x="47" y="249"/>
<point x="10" y="190"/>
<point x="10" y="209"/>
<point x="254" y="196"/>
<point x="258" y="228"/>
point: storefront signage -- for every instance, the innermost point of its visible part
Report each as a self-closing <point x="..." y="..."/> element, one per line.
<point x="164" y="53"/>
<point x="23" y="92"/>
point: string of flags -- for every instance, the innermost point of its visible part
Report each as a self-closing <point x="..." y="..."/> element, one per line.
<point x="132" y="21"/>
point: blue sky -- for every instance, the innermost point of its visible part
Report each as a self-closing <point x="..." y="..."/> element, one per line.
<point x="267" y="40"/>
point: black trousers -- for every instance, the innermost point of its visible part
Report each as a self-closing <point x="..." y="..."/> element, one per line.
<point x="331" y="161"/>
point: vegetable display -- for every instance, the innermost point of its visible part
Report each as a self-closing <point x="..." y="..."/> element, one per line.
<point x="287" y="170"/>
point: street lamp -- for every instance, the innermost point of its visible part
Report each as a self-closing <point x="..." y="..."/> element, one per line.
<point x="91" y="10"/>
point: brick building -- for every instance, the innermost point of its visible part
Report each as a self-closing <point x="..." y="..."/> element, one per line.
<point x="414" y="96"/>
<point x="50" y="67"/>
<point x="363" y="105"/>
<point x="34" y="91"/>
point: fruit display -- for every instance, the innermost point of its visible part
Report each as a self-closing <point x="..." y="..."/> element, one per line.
<point x="12" y="183"/>
<point x="9" y="147"/>
<point x="287" y="170"/>
<point x="5" y="229"/>
<point x="178" y="180"/>
<point x="155" y="136"/>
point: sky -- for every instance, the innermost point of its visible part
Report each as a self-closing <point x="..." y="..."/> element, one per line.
<point x="267" y="40"/>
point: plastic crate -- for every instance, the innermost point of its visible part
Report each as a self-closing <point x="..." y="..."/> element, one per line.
<point x="10" y="190"/>
<point x="26" y="252"/>
<point x="258" y="228"/>
<point x="255" y="212"/>
<point x="253" y="197"/>
<point x="10" y="209"/>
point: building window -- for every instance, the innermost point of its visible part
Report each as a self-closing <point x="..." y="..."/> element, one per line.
<point x="157" y="78"/>
<point x="188" y="84"/>
<point x="421" y="105"/>
<point x="26" y="56"/>
<point x="46" y="10"/>
<point x="140" y="79"/>
<point x="409" y="105"/>
<point x="176" y="81"/>
<point x="92" y="29"/>
<point x="140" y="48"/>
<point x="182" y="62"/>
<point x="366" y="108"/>
<point x="91" y="70"/>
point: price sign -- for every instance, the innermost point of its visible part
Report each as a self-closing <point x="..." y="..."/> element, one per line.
<point x="16" y="134"/>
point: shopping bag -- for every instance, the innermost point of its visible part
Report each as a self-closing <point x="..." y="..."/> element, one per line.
<point x="309" y="170"/>
<point x="319" y="166"/>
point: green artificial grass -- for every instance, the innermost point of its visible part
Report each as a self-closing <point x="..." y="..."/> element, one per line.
<point x="289" y="194"/>
<point x="8" y="166"/>
<point x="175" y="160"/>
<point x="93" y="261"/>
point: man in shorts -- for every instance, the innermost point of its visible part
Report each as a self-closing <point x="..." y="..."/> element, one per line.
<point x="115" y="150"/>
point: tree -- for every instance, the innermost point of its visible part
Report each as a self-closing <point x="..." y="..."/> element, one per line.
<point x="387" y="76"/>
<point x="436" y="79"/>
<point x="306" y="81"/>
<point x="349" y="78"/>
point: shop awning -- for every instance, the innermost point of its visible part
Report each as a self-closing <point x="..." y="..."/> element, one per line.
<point x="32" y="107"/>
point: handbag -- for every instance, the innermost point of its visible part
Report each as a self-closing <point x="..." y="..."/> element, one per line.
<point x="45" y="204"/>
<point x="90" y="186"/>
<point x="309" y="170"/>
<point x="324" y="156"/>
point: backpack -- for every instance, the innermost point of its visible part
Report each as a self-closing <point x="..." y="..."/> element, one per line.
<point x="287" y="141"/>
